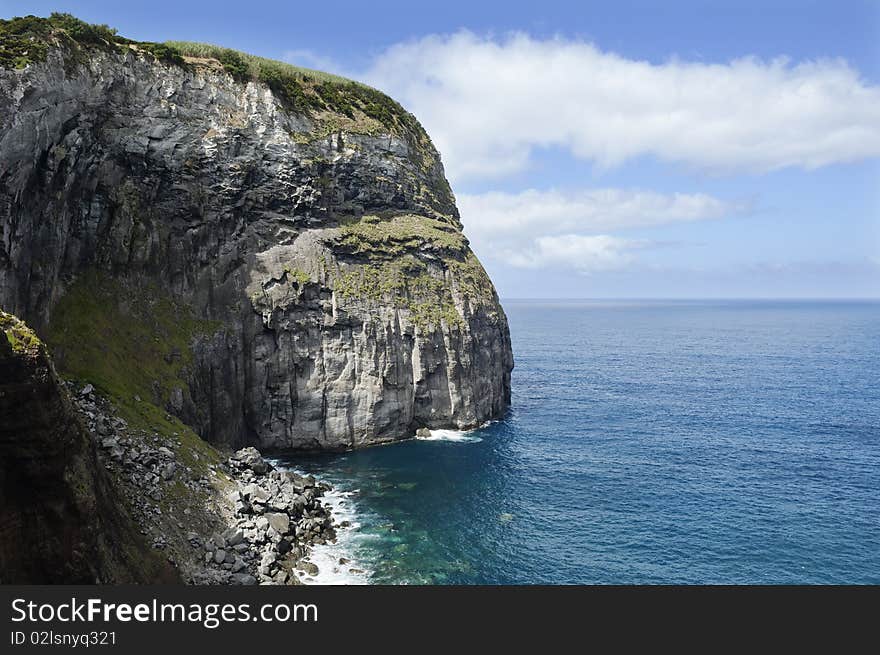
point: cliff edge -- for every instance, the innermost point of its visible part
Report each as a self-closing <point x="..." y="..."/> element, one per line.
<point x="270" y="254"/>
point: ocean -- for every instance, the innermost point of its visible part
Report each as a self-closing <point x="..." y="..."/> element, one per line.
<point x="694" y="442"/>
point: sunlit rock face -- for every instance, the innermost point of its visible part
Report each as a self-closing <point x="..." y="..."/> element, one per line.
<point x="323" y="249"/>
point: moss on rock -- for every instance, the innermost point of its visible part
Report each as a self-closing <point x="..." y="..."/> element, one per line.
<point x="22" y="339"/>
<point x="392" y="236"/>
<point x="296" y="276"/>
<point x="405" y="282"/>
<point x="133" y="342"/>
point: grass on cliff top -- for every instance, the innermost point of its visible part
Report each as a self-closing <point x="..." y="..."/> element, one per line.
<point x="132" y="342"/>
<point x="27" y="39"/>
<point x="243" y="66"/>
<point x="304" y="89"/>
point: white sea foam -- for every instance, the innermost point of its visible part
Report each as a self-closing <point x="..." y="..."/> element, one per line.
<point x="462" y="436"/>
<point x="326" y="556"/>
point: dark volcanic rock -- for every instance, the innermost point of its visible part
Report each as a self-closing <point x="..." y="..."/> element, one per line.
<point x="59" y="519"/>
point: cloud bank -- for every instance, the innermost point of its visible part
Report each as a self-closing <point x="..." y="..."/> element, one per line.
<point x="499" y="213"/>
<point x="537" y="229"/>
<point x="587" y="254"/>
<point x="489" y="103"/>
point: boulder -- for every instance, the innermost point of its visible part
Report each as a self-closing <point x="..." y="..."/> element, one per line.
<point x="254" y="493"/>
<point x="234" y="537"/>
<point x="308" y="567"/>
<point x="279" y="522"/>
<point x="242" y="579"/>
<point x="267" y="562"/>
<point x="250" y="458"/>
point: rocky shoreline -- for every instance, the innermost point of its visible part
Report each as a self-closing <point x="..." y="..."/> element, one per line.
<point x="278" y="516"/>
<point x="234" y="520"/>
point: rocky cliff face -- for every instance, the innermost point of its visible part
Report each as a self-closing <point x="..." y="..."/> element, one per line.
<point x="59" y="519"/>
<point x="316" y="245"/>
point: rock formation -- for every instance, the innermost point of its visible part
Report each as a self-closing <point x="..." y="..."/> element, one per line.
<point x="60" y="521"/>
<point x="297" y="228"/>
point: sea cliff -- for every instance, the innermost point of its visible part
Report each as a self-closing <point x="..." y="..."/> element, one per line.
<point x="214" y="251"/>
<point x="272" y="256"/>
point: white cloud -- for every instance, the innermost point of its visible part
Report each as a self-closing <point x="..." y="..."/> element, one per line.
<point x="537" y="229"/>
<point x="527" y="212"/>
<point x="489" y="103"/>
<point x="586" y="254"/>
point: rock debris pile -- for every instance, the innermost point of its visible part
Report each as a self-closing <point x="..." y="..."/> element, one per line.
<point x="238" y="521"/>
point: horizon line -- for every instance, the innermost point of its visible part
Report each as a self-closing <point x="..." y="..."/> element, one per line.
<point x="699" y="298"/>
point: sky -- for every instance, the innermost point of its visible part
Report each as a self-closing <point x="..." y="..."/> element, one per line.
<point x="624" y="149"/>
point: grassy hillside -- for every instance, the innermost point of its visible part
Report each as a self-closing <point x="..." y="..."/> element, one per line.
<point x="132" y="342"/>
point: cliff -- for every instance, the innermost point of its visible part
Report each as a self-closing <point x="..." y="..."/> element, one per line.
<point x="87" y="497"/>
<point x="60" y="521"/>
<point x="272" y="255"/>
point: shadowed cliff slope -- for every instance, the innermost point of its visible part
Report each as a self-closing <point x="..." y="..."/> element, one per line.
<point x="274" y="254"/>
<point x="60" y="521"/>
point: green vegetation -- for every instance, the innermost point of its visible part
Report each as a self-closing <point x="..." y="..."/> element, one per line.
<point x="471" y="279"/>
<point x="128" y="339"/>
<point x="80" y="31"/>
<point x="377" y="281"/>
<point x="160" y="51"/>
<point x="408" y="284"/>
<point x="23" y="40"/>
<point x="392" y="245"/>
<point x="307" y="90"/>
<point x="296" y="276"/>
<point x="392" y="236"/>
<point x="243" y="66"/>
<point x="406" y="281"/>
<point x="18" y="334"/>
<point x="132" y="342"/>
<point x="27" y="39"/>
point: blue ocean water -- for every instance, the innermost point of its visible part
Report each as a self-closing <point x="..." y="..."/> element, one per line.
<point x="648" y="442"/>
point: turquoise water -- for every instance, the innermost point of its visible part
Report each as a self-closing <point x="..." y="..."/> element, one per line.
<point x="648" y="442"/>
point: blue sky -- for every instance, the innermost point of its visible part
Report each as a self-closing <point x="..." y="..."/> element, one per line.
<point x="626" y="149"/>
